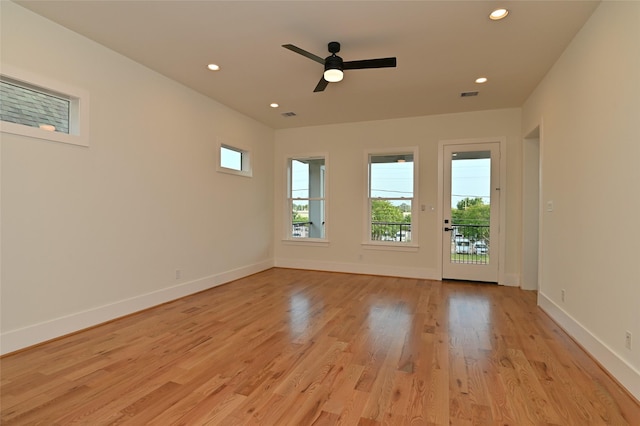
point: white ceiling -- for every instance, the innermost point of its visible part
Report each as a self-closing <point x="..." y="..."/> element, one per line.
<point x="441" y="48"/>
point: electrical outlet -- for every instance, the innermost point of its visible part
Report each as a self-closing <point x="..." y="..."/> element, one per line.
<point x="562" y="294"/>
<point x="178" y="274"/>
<point x="627" y="339"/>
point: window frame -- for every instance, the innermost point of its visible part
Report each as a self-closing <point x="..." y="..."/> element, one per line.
<point x="289" y="199"/>
<point x="246" y="169"/>
<point x="368" y="243"/>
<point x="78" y="107"/>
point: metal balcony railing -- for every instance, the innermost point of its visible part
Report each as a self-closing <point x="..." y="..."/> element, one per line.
<point x="470" y="243"/>
<point x="391" y="231"/>
<point x="303" y="230"/>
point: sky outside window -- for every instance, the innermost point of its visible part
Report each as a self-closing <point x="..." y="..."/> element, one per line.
<point x="300" y="179"/>
<point x="470" y="179"/>
<point x="230" y="159"/>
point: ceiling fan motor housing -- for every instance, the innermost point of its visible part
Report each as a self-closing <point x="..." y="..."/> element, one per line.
<point x="333" y="62"/>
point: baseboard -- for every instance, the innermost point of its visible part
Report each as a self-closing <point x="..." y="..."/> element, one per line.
<point x="14" y="340"/>
<point x="617" y="367"/>
<point x="359" y="268"/>
<point x="511" y="280"/>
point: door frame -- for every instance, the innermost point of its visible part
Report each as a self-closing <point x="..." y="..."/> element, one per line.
<point x="532" y="213"/>
<point x="502" y="141"/>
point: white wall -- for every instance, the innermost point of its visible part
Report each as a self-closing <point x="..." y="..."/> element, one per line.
<point x="346" y="145"/>
<point x="589" y="107"/>
<point x="89" y="234"/>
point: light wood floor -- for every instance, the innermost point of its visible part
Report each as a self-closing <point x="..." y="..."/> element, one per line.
<point x="299" y="347"/>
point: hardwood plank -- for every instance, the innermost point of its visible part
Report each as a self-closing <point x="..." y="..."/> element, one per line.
<point x="497" y="393"/>
<point x="308" y="347"/>
<point x="353" y="407"/>
<point x="536" y="397"/>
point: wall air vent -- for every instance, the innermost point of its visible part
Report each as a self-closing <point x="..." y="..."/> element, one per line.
<point x="467" y="94"/>
<point x="289" y="114"/>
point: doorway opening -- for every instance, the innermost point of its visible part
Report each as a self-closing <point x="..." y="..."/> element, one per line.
<point x="530" y="210"/>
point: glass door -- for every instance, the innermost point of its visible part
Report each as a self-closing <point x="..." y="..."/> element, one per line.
<point x="470" y="243"/>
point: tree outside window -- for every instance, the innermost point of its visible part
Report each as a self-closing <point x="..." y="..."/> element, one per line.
<point x="472" y="217"/>
<point x="391" y="200"/>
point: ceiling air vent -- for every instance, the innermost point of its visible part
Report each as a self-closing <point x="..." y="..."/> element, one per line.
<point x="289" y="114"/>
<point x="467" y="94"/>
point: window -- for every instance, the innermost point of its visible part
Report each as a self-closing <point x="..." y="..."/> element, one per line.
<point x="391" y="203"/>
<point x="32" y="106"/>
<point x="234" y="160"/>
<point x="306" y="198"/>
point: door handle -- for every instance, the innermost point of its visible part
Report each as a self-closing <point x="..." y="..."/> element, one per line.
<point x="448" y="229"/>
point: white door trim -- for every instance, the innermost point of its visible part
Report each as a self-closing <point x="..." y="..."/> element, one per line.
<point x="503" y="186"/>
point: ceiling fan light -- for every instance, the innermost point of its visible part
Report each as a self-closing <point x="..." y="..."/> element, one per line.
<point x="333" y="75"/>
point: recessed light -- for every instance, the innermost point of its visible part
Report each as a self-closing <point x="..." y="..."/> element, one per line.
<point x="274" y="105"/>
<point x="213" y="67"/>
<point x="481" y="80"/>
<point x="498" y="14"/>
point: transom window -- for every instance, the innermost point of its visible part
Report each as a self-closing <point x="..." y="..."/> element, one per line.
<point x="391" y="207"/>
<point x="234" y="160"/>
<point x="34" y="106"/>
<point x="306" y="198"/>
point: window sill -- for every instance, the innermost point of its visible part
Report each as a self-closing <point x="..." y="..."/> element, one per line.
<point x="34" y="132"/>
<point x="244" y="173"/>
<point x="306" y="242"/>
<point x="408" y="247"/>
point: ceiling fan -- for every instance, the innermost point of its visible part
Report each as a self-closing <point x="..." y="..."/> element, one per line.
<point x="334" y="65"/>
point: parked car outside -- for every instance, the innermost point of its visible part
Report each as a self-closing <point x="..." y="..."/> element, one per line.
<point x="463" y="246"/>
<point x="404" y="236"/>
<point x="480" y="248"/>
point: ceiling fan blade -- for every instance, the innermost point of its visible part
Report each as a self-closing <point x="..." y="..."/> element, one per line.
<point x="322" y="84"/>
<point x="304" y="53"/>
<point x="370" y="63"/>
